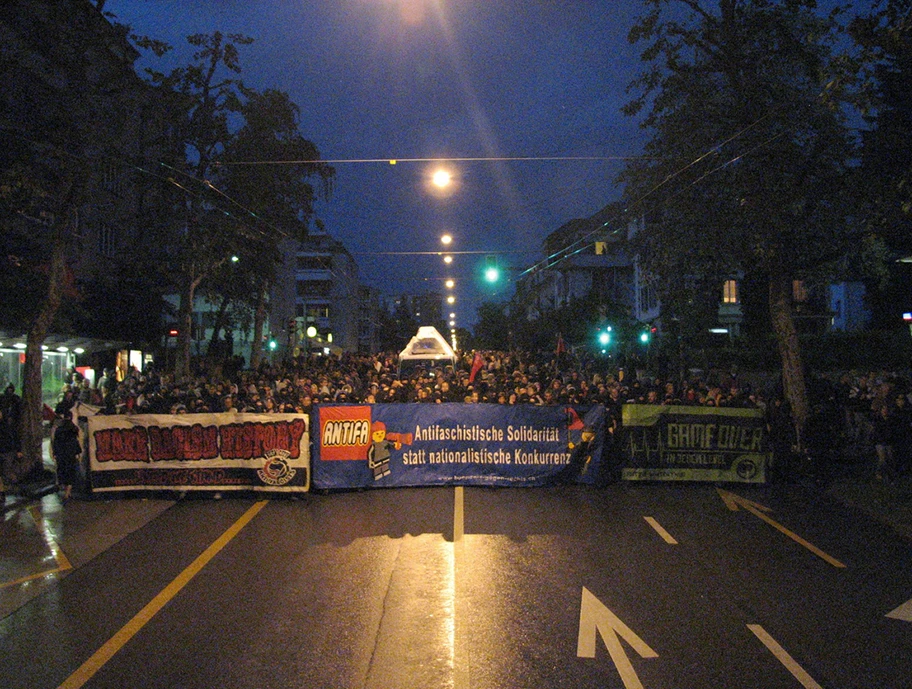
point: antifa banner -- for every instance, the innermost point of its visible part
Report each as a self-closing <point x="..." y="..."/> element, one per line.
<point x="395" y="445"/>
<point x="221" y="452"/>
<point x="679" y="443"/>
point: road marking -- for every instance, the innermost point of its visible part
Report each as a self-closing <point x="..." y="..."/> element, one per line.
<point x="458" y="515"/>
<point x="733" y="501"/>
<point x="661" y="531"/>
<point x="460" y="647"/>
<point x="88" y="669"/>
<point x="903" y="612"/>
<point x="63" y="563"/>
<point x="595" y="617"/>
<point x="783" y="657"/>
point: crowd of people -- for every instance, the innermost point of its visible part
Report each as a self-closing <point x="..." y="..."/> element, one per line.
<point x="493" y="377"/>
<point x="850" y="410"/>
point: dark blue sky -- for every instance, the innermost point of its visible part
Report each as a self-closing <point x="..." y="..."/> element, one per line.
<point x="400" y="79"/>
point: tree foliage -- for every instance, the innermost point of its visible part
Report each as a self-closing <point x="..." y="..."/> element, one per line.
<point x="247" y="178"/>
<point x="746" y="166"/>
<point x="53" y="145"/>
<point x="885" y="175"/>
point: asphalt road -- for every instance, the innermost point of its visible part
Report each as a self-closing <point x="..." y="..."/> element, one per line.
<point x="673" y="586"/>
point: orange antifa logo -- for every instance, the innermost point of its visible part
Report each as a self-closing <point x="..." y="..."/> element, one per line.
<point x="345" y="433"/>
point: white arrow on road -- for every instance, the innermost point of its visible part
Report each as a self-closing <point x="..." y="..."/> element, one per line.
<point x="595" y="617"/>
<point x="903" y="612"/>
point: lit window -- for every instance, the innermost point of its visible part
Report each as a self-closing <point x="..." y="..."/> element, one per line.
<point x="799" y="291"/>
<point x="730" y="292"/>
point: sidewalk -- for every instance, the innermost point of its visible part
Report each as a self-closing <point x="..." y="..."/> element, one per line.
<point x="888" y="503"/>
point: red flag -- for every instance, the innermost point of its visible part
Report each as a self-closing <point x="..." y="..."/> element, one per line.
<point x="477" y="365"/>
<point x="574" y="422"/>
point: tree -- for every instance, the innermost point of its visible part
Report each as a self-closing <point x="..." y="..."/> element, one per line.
<point x="209" y="235"/>
<point x="267" y="168"/>
<point x="885" y="36"/>
<point x="53" y="145"/>
<point x="247" y="178"/>
<point x="746" y="167"/>
<point x="492" y="330"/>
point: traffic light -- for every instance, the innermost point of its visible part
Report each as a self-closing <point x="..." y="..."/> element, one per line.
<point x="603" y="337"/>
<point x="492" y="271"/>
<point x="645" y="337"/>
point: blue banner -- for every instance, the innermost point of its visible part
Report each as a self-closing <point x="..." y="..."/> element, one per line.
<point x="396" y="445"/>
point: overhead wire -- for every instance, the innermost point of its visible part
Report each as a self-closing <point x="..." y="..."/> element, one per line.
<point x="562" y="254"/>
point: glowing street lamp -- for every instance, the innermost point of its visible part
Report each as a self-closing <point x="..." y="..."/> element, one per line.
<point x="441" y="178"/>
<point x="447" y="259"/>
<point x="450" y="284"/>
<point x="446" y="239"/>
<point x="451" y="299"/>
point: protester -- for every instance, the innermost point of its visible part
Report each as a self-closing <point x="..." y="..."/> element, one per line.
<point x="66" y="450"/>
<point x="298" y="385"/>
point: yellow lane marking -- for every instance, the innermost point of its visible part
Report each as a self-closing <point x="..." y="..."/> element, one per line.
<point x="119" y="640"/>
<point x="667" y="537"/>
<point x="732" y="501"/>
<point x="31" y="577"/>
<point x="783" y="657"/>
<point x="63" y="563"/>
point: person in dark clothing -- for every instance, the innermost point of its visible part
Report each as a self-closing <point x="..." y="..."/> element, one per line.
<point x="886" y="429"/>
<point x="903" y="435"/>
<point x="10" y="450"/>
<point x="66" y="448"/>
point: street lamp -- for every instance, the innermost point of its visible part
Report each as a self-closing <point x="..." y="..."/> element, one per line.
<point x="441" y="178"/>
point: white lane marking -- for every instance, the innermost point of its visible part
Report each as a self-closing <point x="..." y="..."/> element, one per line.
<point x="903" y="612"/>
<point x="596" y="618"/>
<point x="458" y="516"/>
<point x="667" y="537"/>
<point x="783" y="657"/>
<point x="460" y="649"/>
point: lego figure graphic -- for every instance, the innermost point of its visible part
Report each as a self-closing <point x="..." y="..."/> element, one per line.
<point x="378" y="454"/>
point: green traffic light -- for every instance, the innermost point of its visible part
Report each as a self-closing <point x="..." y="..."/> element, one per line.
<point x="644" y="338"/>
<point x="604" y="338"/>
<point x="492" y="274"/>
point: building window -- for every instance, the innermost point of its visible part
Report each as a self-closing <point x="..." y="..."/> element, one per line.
<point x="799" y="291"/>
<point x="107" y="240"/>
<point x="730" y="292"/>
<point x="314" y="288"/>
<point x="648" y="297"/>
<point x="314" y="262"/>
<point x="112" y="180"/>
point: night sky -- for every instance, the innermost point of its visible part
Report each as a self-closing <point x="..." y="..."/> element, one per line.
<point x="405" y="79"/>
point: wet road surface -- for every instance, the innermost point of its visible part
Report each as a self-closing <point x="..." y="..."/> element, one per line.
<point x="626" y="586"/>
